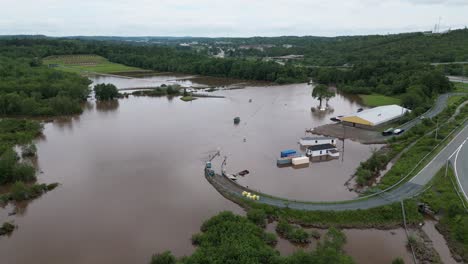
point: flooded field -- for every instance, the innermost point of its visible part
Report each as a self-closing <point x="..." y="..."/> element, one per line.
<point x="365" y="246"/>
<point x="131" y="172"/>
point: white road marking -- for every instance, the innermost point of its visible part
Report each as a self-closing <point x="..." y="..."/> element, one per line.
<point x="455" y="168"/>
<point x="440" y="152"/>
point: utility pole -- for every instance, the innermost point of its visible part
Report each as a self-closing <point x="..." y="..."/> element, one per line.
<point x="344" y="136"/>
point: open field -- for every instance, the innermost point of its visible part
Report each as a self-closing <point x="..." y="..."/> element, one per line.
<point x="378" y="99"/>
<point x="86" y="63"/>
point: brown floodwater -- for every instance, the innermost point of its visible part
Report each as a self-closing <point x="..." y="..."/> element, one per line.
<point x="365" y="246"/>
<point x="438" y="242"/>
<point x="131" y="172"/>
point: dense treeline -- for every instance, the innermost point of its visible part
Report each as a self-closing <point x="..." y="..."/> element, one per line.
<point x="161" y="59"/>
<point x="337" y="51"/>
<point x="27" y="89"/>
<point x="229" y="238"/>
<point x="415" y="83"/>
<point x="168" y="59"/>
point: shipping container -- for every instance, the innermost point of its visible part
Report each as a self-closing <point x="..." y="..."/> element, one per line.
<point x="300" y="160"/>
<point x="283" y="161"/>
<point x="286" y="153"/>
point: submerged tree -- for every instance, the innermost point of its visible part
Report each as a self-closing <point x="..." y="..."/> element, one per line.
<point x="106" y="92"/>
<point x="321" y="92"/>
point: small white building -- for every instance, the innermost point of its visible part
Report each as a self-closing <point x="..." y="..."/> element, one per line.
<point x="312" y="141"/>
<point x="322" y="150"/>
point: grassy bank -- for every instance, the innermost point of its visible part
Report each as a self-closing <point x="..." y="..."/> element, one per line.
<point x="86" y="63"/>
<point x="378" y="100"/>
<point x="443" y="199"/>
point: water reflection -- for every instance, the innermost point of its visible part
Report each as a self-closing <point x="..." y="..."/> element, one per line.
<point x="107" y="106"/>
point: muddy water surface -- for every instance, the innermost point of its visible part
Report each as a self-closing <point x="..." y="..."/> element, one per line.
<point x="131" y="172"/>
<point x="365" y="246"/>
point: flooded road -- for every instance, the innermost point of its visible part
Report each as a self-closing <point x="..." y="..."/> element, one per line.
<point x="131" y="172"/>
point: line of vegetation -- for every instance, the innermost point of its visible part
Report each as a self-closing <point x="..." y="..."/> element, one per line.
<point x="163" y="90"/>
<point x="229" y="238"/>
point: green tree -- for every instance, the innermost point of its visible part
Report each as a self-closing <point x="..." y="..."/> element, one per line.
<point x="321" y="92"/>
<point x="105" y="92"/>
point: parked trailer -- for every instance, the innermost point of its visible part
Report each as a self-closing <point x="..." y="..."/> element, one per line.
<point x="287" y="153"/>
<point x="300" y="160"/>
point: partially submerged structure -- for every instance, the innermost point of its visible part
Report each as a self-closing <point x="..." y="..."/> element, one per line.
<point x="322" y="150"/>
<point x="312" y="141"/>
<point x="375" y="116"/>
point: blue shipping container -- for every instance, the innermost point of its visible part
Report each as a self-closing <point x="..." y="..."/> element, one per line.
<point x="286" y="153"/>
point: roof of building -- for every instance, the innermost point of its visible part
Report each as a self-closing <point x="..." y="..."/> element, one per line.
<point x="317" y="138"/>
<point x="377" y="115"/>
<point x="321" y="147"/>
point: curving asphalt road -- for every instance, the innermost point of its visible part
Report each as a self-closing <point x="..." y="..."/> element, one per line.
<point x="460" y="164"/>
<point x="407" y="190"/>
<point x="438" y="107"/>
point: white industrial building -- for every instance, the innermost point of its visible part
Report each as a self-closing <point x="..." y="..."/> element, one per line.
<point x="375" y="116"/>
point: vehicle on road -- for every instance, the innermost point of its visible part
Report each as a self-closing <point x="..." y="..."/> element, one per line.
<point x="398" y="131"/>
<point x="388" y="132"/>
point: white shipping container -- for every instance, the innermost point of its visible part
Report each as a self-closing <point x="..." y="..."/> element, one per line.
<point x="300" y="160"/>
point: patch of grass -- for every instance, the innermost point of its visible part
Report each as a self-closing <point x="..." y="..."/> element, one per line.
<point x="461" y="87"/>
<point x="86" y="63"/>
<point x="387" y="216"/>
<point x="378" y="100"/>
<point x="187" y="98"/>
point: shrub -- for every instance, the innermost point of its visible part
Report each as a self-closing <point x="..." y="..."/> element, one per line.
<point x="257" y="216"/>
<point x="163" y="258"/>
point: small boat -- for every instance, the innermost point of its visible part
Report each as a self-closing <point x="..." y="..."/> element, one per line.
<point x="236" y="120"/>
<point x="243" y="173"/>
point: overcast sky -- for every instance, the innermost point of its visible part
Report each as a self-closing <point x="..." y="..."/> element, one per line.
<point x="229" y="18"/>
